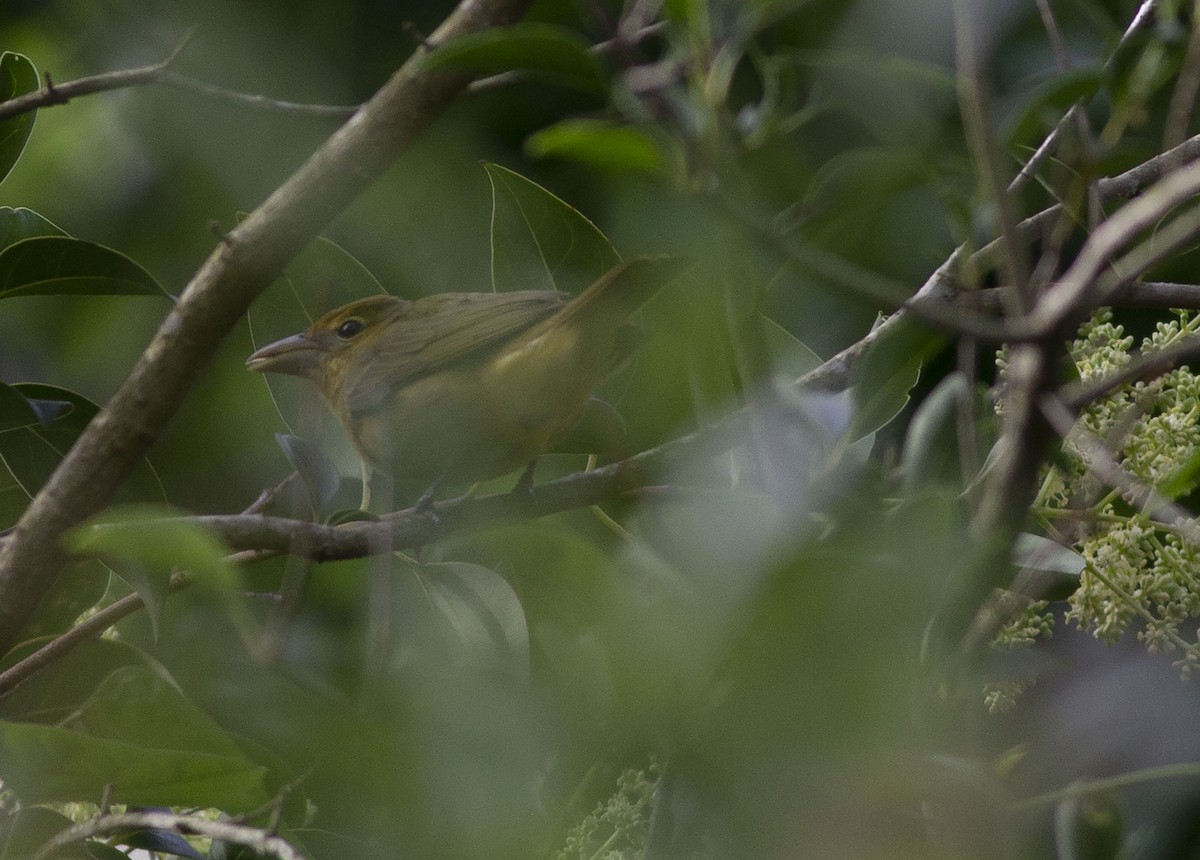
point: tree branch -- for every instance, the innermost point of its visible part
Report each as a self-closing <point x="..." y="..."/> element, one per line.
<point x="185" y="825"/>
<point x="216" y="298"/>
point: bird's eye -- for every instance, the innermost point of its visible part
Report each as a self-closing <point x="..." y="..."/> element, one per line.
<point x="350" y="328"/>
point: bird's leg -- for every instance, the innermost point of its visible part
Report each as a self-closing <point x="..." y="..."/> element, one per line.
<point x="366" y="486"/>
<point x="524" y="484"/>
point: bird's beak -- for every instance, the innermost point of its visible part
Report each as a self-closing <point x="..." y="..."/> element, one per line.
<point x="297" y="355"/>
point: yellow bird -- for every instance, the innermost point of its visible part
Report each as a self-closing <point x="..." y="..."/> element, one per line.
<point x="462" y="387"/>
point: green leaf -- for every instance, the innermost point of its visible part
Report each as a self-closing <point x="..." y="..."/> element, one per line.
<point x="154" y="539"/>
<point x="61" y="265"/>
<point x="931" y="432"/>
<point x="555" y="51"/>
<point x="888" y="372"/>
<point x="15" y="410"/>
<point x="481" y="608"/>
<point x="790" y="357"/>
<point x="52" y="695"/>
<point x="612" y="147"/>
<point x="77" y="589"/>
<point x="1035" y="552"/>
<point x="17" y="77"/>
<point x="1044" y="105"/>
<point x="541" y="242"/>
<point x="20" y="223"/>
<point x="44" y="764"/>
<point x="320" y="476"/>
<point x="27" y="829"/>
<point x="32" y="452"/>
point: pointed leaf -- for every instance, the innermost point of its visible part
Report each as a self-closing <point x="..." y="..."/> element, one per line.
<point x="931" y="432"/>
<point x="539" y="241"/>
<point x="20" y="223"/>
<point x="17" y="77"/>
<point x="156" y="540"/>
<point x="15" y="410"/>
<point x="61" y="265"/>
<point x="888" y="373"/>
<point x="1035" y="552"/>
<point x="320" y="476"/>
<point x="31" y="453"/>
<point x="482" y="608"/>
<point x="555" y="51"/>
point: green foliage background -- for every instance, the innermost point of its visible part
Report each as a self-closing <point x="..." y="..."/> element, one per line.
<point x="766" y="646"/>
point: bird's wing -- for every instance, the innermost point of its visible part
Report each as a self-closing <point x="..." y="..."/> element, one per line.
<point x="437" y="331"/>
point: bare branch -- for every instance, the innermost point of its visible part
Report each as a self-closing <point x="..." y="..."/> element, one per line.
<point x="159" y="73"/>
<point x="185" y="825"/>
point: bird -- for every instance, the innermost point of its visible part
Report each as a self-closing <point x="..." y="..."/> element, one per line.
<point x="466" y="386"/>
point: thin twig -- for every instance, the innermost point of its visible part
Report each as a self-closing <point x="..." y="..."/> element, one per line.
<point x="185" y="825"/>
<point x="1147" y="366"/>
<point x="159" y="73"/>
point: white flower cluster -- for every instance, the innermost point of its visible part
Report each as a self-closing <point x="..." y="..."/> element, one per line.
<point x="1138" y="570"/>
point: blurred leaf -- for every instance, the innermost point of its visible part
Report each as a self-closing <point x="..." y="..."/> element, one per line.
<point x="20" y="223"/>
<point x="1035" y="552"/>
<point x="603" y="144"/>
<point x="24" y="830"/>
<point x="75" y="590"/>
<point x="790" y="357"/>
<point x="17" y="77"/>
<point x="53" y="694"/>
<point x="50" y="764"/>
<point x="320" y="476"/>
<point x="482" y="609"/>
<point x="931" y="436"/>
<point x="540" y="242"/>
<point x="1089" y="826"/>
<point x="156" y="540"/>
<point x="556" y="51"/>
<point x="1043" y="105"/>
<point x="32" y="452"/>
<point x="888" y="372"/>
<point x="61" y="265"/>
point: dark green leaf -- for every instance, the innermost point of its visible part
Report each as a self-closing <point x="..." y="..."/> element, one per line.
<point x="1044" y="105"/>
<point x="15" y="410"/>
<point x="31" y="453"/>
<point x="60" y="265"/>
<point x="931" y="432"/>
<point x="320" y="476"/>
<point x="555" y="51"/>
<point x="540" y="242"/>
<point x="20" y="223"/>
<point x="351" y="515"/>
<point x="78" y="588"/>
<point x="612" y="147"/>
<point x="17" y="77"/>
<point x="887" y="374"/>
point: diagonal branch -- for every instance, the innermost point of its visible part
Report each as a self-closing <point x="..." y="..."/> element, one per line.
<point x="217" y="296"/>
